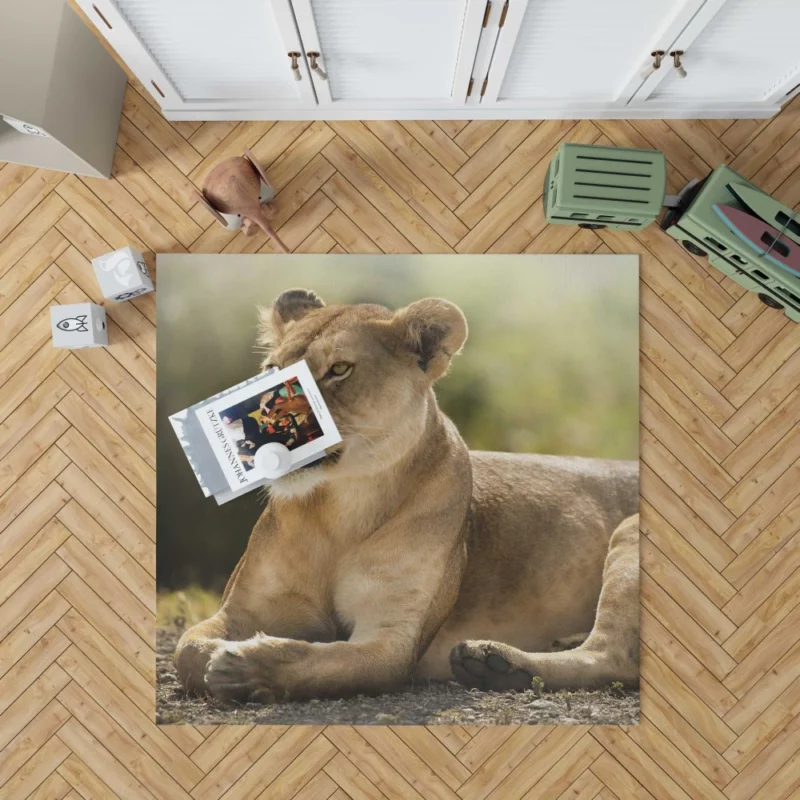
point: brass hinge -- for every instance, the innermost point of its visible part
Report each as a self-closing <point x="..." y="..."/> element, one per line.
<point x="503" y="15"/>
<point x="487" y="12"/>
<point x="483" y="88"/>
<point x="469" y="88"/>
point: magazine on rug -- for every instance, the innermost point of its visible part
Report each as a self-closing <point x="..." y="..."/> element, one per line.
<point x="222" y="435"/>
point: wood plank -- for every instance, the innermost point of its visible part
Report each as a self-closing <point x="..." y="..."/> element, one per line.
<point x="163" y="172"/>
<point x="110" y="444"/>
<point x="32" y="228"/>
<point x="106" y="772"/>
<point x="685" y="413"/>
<point x="25" y="635"/>
<point x="30" y="266"/>
<point x="121" y="745"/>
<point x="476" y="133"/>
<point x="293" y="157"/>
<point x="110" y="625"/>
<point x="151" y="196"/>
<point x="209" y="134"/>
<point x="683" y="555"/>
<point x="695" y="468"/>
<point x="357" y="223"/>
<point x="761" y="403"/>
<point x="675" y="510"/>
<point x="537" y="146"/>
<point x="399" y="180"/>
<point x="493" y="152"/>
<point x="108" y="516"/>
<point x="26" y="198"/>
<point x="688" y="379"/>
<point x="108" y="478"/>
<point x="233" y="766"/>
<point x="769" y="541"/>
<point x="683" y="737"/>
<point x="100" y="543"/>
<point x="437" y="143"/>
<point x="159" y="131"/>
<point x="12" y="176"/>
<point x="419" y="161"/>
<point x="107" y="406"/>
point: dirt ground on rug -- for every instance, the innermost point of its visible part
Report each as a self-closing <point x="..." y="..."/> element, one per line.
<point x="434" y="704"/>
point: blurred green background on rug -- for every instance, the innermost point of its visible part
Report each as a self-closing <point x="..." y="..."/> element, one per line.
<point x="551" y="364"/>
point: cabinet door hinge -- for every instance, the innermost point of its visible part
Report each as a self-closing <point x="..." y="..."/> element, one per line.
<point x="487" y="12"/>
<point x="483" y="88"/>
<point x="503" y="15"/>
<point x="469" y="88"/>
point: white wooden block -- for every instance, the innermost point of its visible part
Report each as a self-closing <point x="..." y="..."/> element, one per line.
<point x="122" y="274"/>
<point x="78" y="325"/>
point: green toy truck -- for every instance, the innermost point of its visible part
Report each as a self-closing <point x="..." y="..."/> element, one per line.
<point x="598" y="187"/>
<point x="701" y="231"/>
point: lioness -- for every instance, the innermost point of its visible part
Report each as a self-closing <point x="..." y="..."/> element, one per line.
<point x="402" y="554"/>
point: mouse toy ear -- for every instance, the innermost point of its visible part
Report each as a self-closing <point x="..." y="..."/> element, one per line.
<point x="213" y="211"/>
<point x="257" y="167"/>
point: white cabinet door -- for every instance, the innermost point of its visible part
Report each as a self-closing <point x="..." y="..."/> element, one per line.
<point x="390" y="54"/>
<point x="208" y="54"/>
<point x="557" y="54"/>
<point x="735" y="51"/>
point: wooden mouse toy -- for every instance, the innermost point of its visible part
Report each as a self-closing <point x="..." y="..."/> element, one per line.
<point x="233" y="188"/>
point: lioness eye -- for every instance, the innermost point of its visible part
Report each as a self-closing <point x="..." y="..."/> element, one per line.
<point x="340" y="368"/>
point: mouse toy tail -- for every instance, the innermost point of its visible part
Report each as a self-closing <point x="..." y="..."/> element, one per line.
<point x="263" y="223"/>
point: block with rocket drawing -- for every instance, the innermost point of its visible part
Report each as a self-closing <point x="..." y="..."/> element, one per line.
<point x="78" y="325"/>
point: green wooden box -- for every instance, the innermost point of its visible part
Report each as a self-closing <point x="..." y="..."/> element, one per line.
<point x="605" y="187"/>
<point x="696" y="225"/>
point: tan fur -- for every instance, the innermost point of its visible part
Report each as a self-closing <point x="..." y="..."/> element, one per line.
<point x="409" y="556"/>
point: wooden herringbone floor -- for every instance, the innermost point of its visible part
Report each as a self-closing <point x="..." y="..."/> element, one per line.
<point x="720" y="407"/>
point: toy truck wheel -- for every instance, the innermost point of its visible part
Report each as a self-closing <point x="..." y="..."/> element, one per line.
<point x="592" y="226"/>
<point x="693" y="248"/>
<point x="769" y="301"/>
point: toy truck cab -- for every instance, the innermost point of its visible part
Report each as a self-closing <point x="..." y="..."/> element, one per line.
<point x="696" y="225"/>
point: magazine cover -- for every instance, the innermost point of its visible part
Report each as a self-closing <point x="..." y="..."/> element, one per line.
<point x="284" y="407"/>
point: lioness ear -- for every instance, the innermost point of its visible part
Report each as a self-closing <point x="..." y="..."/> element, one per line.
<point x="434" y="330"/>
<point x="295" y="303"/>
<point x="290" y="306"/>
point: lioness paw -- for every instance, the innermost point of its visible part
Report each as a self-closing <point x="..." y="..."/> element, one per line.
<point x="490" y="666"/>
<point x="256" y="670"/>
<point x="231" y="674"/>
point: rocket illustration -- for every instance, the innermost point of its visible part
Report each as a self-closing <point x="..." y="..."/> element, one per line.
<point x="74" y="324"/>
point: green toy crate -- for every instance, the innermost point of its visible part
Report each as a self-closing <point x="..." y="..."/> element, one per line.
<point x="696" y="225"/>
<point x="605" y="187"/>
